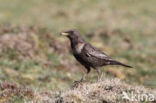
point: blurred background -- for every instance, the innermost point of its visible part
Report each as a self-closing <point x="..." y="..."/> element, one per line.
<point x="33" y="54"/>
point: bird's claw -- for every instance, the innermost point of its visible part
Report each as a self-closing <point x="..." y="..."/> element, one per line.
<point x="77" y="83"/>
<point x="99" y="80"/>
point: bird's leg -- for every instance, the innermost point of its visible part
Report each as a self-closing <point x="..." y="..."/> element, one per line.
<point x="76" y="83"/>
<point x="99" y="72"/>
<point x="83" y="78"/>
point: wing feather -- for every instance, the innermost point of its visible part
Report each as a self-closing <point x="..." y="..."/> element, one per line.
<point x="94" y="52"/>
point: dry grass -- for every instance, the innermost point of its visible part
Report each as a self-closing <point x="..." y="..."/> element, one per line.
<point x="106" y="91"/>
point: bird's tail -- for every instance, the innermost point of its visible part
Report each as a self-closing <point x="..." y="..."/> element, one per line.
<point x="114" y="62"/>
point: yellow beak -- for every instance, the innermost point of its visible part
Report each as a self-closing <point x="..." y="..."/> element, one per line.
<point x="65" y="34"/>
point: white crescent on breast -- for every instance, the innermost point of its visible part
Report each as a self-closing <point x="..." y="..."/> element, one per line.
<point x="79" y="47"/>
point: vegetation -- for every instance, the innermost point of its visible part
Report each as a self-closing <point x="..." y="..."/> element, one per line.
<point x="34" y="56"/>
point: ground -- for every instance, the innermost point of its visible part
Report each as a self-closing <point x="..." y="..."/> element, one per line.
<point x="33" y="55"/>
<point x="106" y="91"/>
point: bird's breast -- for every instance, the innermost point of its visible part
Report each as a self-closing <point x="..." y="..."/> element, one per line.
<point x="78" y="48"/>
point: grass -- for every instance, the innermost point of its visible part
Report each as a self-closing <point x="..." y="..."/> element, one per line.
<point x="108" y="90"/>
<point x="32" y="53"/>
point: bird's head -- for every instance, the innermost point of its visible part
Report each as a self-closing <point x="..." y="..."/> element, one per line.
<point x="73" y="35"/>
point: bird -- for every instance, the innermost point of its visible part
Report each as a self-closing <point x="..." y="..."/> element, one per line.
<point x="88" y="55"/>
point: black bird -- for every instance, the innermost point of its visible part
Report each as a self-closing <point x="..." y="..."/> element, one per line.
<point x="88" y="55"/>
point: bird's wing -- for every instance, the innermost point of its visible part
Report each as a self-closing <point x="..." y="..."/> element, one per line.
<point x="94" y="52"/>
<point x="90" y="51"/>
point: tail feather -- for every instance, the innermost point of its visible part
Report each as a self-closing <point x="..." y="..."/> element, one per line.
<point x="119" y="63"/>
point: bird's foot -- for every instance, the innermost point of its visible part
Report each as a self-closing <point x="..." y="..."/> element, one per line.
<point x="77" y="83"/>
<point x="99" y="80"/>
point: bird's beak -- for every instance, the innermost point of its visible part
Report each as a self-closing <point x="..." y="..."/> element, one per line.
<point x="64" y="34"/>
